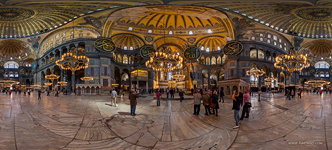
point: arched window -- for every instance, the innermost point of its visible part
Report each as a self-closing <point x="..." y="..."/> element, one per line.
<point x="322" y="74"/>
<point x="131" y="60"/>
<point x="169" y="76"/>
<point x="327" y="74"/>
<point x="253" y="38"/>
<point x="131" y="48"/>
<point x="125" y="59"/>
<point x="119" y="59"/>
<point x="125" y="48"/>
<point x="207" y="61"/>
<point x="213" y="61"/>
<point x="202" y="60"/>
<point x="260" y="54"/>
<point x="322" y="64"/>
<point x="224" y="58"/>
<point x="11" y="64"/>
<point x="219" y="60"/>
<point x="253" y="53"/>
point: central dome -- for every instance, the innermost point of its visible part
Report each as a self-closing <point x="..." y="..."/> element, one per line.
<point x="315" y="14"/>
<point x="15" y="14"/>
<point x="169" y="16"/>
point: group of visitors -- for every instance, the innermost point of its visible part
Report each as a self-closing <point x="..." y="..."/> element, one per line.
<point x="210" y="101"/>
<point x="240" y="99"/>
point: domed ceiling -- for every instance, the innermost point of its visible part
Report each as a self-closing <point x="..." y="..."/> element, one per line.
<point x="14" y="50"/>
<point x="182" y="17"/>
<point x="317" y="50"/>
<point x="127" y="41"/>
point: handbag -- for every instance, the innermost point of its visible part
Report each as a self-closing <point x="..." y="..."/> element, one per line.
<point x="212" y="105"/>
<point x="248" y="104"/>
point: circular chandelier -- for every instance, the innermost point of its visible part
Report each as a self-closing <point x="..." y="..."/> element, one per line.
<point x="317" y="83"/>
<point x="161" y="61"/>
<point x="52" y="77"/>
<point x="8" y="82"/>
<point x="269" y="80"/>
<point x="62" y="83"/>
<point x="86" y="78"/>
<point x="178" y="77"/>
<point x="72" y="62"/>
<point x="48" y="84"/>
<point x="291" y="62"/>
<point x="255" y="72"/>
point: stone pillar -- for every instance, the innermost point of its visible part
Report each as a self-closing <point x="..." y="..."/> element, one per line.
<point x="73" y="83"/>
<point x="147" y="86"/>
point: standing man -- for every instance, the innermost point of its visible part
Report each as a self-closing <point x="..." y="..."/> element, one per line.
<point x="181" y="95"/>
<point x="133" y="102"/>
<point x="167" y="92"/>
<point x="39" y="93"/>
<point x="114" y="95"/>
<point x="197" y="102"/>
<point x="206" y="102"/>
<point x="222" y="95"/>
<point x="172" y="93"/>
<point x="48" y="92"/>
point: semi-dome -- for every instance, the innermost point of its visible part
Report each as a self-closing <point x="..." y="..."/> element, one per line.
<point x="127" y="41"/>
<point x="318" y="47"/>
<point x="214" y="43"/>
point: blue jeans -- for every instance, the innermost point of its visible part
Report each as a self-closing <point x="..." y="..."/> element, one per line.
<point x="158" y="102"/>
<point x="132" y="109"/>
<point x="237" y="117"/>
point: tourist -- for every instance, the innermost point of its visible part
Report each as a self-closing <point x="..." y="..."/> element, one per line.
<point x="113" y="96"/>
<point x="133" y="103"/>
<point x="299" y="94"/>
<point x="39" y="94"/>
<point x="320" y="92"/>
<point x="288" y="94"/>
<point x="158" y="96"/>
<point x="181" y="95"/>
<point x="206" y="102"/>
<point x="10" y="92"/>
<point x="197" y="102"/>
<point x="48" y="93"/>
<point x="214" y="102"/>
<point x="167" y="92"/>
<point x="236" y="108"/>
<point x="29" y="92"/>
<point x="293" y="93"/>
<point x="222" y="96"/>
<point x="171" y="91"/>
<point x="246" y="106"/>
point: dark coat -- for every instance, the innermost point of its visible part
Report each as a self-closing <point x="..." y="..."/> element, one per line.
<point x="222" y="93"/>
<point x="215" y="100"/>
<point x="132" y="98"/>
<point x="236" y="104"/>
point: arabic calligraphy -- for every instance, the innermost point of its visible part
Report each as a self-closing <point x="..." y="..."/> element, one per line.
<point x="233" y="48"/>
<point x="192" y="53"/>
<point x="105" y="45"/>
<point x="147" y="51"/>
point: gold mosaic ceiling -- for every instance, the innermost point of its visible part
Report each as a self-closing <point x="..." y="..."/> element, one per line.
<point x="11" y="47"/>
<point x="173" y="17"/>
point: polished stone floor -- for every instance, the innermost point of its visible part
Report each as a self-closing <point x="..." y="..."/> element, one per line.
<point x="84" y="122"/>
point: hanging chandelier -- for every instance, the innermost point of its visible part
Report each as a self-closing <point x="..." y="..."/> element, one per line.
<point x="52" y="77"/>
<point x="162" y="61"/>
<point x="178" y="77"/>
<point x="317" y="83"/>
<point x="255" y="72"/>
<point x="72" y="62"/>
<point x="62" y="83"/>
<point x="86" y="78"/>
<point x="291" y="62"/>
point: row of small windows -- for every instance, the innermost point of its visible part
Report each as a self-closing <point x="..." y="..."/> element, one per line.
<point x="171" y="32"/>
<point x="126" y="59"/>
<point x="261" y="55"/>
<point x="275" y="40"/>
<point x="213" y="60"/>
<point x="208" y="49"/>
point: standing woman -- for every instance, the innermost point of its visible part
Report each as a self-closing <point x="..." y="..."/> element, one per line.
<point x="215" y="101"/>
<point x="158" y="96"/>
<point x="246" y="106"/>
<point x="222" y="95"/>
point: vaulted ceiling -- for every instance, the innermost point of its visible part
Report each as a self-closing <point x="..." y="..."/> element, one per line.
<point x="305" y="18"/>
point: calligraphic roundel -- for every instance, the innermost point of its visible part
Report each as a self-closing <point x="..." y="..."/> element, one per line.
<point x="105" y="45"/>
<point x="192" y="53"/>
<point x="233" y="48"/>
<point x="147" y="51"/>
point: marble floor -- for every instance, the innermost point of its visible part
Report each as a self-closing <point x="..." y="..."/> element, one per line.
<point x="85" y="122"/>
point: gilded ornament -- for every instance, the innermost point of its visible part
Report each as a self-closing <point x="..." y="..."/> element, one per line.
<point x="233" y="48"/>
<point x="147" y="51"/>
<point x="192" y="53"/>
<point x="105" y="45"/>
